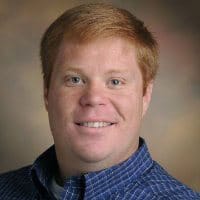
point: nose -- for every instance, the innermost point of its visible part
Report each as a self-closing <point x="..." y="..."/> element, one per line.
<point x="93" y="96"/>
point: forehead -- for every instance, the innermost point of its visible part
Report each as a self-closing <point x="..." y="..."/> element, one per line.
<point x="105" y="53"/>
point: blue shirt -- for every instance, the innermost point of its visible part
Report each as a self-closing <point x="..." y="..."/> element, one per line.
<point x="138" y="178"/>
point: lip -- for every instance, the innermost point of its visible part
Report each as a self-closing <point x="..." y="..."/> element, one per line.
<point x="85" y="121"/>
<point x="92" y="130"/>
<point x="94" y="120"/>
<point x="81" y="124"/>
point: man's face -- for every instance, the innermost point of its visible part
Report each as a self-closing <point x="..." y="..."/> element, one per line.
<point x="95" y="101"/>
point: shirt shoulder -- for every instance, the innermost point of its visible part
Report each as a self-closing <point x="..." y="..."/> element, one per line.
<point x="158" y="184"/>
<point x="17" y="184"/>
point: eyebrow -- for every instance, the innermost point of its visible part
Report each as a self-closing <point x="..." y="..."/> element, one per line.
<point x="111" y="71"/>
<point x="73" y="69"/>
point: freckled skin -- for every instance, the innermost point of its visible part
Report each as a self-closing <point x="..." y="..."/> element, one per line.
<point x="95" y="96"/>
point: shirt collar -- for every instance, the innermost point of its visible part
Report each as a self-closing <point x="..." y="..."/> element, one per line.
<point x="107" y="180"/>
<point x="43" y="170"/>
<point x="119" y="176"/>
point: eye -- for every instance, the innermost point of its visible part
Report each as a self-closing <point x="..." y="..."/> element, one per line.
<point x="115" y="83"/>
<point x="73" y="80"/>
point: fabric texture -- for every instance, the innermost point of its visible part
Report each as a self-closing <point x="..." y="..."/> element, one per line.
<point x="56" y="189"/>
<point x="138" y="178"/>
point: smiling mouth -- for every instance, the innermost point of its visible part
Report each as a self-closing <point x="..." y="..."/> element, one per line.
<point x="95" y="124"/>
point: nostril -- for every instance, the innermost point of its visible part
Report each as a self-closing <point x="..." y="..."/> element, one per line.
<point x="92" y="100"/>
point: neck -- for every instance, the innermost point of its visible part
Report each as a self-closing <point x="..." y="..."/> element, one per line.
<point x="70" y="165"/>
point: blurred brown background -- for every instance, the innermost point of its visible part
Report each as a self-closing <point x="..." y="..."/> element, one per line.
<point x="172" y="126"/>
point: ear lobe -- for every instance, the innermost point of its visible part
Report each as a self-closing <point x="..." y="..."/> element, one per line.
<point x="147" y="97"/>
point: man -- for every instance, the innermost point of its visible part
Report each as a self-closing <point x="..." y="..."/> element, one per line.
<point x="99" y="64"/>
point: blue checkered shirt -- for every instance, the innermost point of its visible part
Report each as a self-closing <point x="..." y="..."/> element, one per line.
<point x="138" y="178"/>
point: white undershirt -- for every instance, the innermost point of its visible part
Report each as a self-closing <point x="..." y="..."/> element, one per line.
<point x="56" y="189"/>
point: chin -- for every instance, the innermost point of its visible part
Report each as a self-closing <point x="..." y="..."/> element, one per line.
<point x="92" y="156"/>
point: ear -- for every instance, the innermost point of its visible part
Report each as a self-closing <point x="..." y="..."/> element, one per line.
<point x="147" y="97"/>
<point x="45" y="96"/>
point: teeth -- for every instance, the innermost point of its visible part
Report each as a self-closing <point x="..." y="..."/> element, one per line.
<point x="95" y="124"/>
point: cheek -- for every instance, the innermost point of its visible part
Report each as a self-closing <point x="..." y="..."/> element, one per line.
<point x="127" y="132"/>
<point x="130" y="125"/>
<point x="63" y="100"/>
<point x="60" y="109"/>
<point x="130" y="108"/>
